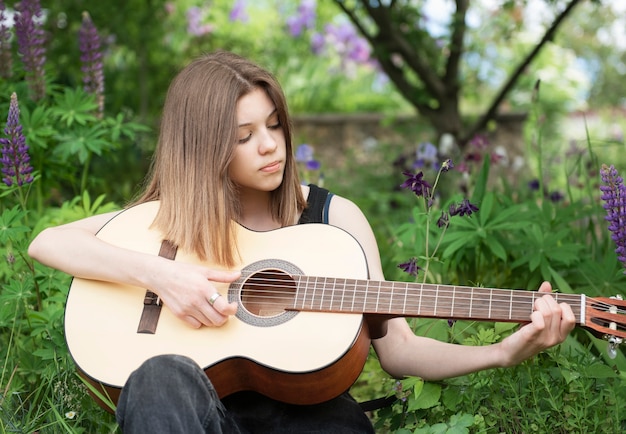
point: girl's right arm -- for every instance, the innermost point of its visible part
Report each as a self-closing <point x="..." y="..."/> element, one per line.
<point x="185" y="288"/>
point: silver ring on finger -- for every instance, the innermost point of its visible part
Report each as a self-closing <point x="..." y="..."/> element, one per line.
<point x="214" y="297"/>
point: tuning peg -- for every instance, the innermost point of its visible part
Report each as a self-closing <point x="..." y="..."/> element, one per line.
<point x="614" y="341"/>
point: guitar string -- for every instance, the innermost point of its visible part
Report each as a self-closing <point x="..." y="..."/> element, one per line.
<point x="275" y="289"/>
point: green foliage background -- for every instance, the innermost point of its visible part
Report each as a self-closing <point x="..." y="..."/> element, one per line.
<point x="86" y="165"/>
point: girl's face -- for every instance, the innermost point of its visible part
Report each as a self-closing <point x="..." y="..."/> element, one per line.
<point x="260" y="153"/>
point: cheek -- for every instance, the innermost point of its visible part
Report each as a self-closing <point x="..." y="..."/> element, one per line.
<point x="237" y="166"/>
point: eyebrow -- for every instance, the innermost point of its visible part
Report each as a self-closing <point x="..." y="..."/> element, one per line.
<point x="275" y="111"/>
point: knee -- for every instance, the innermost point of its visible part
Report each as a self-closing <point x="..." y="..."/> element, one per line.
<point x="169" y="370"/>
<point x="167" y="363"/>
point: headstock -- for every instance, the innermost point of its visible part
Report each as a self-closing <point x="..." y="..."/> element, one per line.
<point x="605" y="317"/>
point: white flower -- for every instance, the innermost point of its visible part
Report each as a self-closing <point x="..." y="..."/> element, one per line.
<point x="70" y="414"/>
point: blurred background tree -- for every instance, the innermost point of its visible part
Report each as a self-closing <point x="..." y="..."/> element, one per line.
<point x="457" y="64"/>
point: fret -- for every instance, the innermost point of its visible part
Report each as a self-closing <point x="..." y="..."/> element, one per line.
<point x="311" y="293"/>
<point x="393" y="284"/>
<point x="306" y="286"/>
<point x="406" y="293"/>
<point x="490" y="302"/>
<point x="435" y="308"/>
<point x="471" y="301"/>
<point x="510" y="304"/>
<point x="353" y="295"/>
<point x="332" y="293"/>
<point x="452" y="305"/>
<point x="343" y="295"/>
<point x="322" y="296"/>
<point x="583" y="301"/>
<point x="378" y="296"/>
<point x="419" y="301"/>
<point x="365" y="298"/>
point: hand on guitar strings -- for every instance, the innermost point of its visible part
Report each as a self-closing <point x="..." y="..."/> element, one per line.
<point x="550" y="324"/>
<point x="186" y="289"/>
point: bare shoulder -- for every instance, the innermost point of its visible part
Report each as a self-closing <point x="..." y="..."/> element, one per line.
<point x="344" y="212"/>
<point x="346" y="215"/>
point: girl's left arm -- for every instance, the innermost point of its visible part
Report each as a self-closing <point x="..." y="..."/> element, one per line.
<point x="402" y="353"/>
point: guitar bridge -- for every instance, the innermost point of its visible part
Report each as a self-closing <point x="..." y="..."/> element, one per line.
<point x="150" y="314"/>
<point x="151" y="302"/>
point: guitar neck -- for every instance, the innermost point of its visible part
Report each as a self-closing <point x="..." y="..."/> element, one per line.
<point x="340" y="295"/>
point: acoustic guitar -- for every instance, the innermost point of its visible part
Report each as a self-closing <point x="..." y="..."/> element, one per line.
<point x="300" y="334"/>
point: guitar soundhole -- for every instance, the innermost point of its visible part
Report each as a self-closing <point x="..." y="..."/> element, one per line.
<point x="268" y="293"/>
<point x="264" y="292"/>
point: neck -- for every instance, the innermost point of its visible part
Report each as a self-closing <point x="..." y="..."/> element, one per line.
<point x="255" y="211"/>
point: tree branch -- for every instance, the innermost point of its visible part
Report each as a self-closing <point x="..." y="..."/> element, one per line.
<point x="547" y="37"/>
<point x="456" y="43"/>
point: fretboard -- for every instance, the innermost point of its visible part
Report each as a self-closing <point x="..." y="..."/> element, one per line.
<point x="341" y="295"/>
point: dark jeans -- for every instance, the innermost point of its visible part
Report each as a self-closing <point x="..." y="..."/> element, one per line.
<point x="172" y="394"/>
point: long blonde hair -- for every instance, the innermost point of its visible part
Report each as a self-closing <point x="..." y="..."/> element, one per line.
<point x="189" y="175"/>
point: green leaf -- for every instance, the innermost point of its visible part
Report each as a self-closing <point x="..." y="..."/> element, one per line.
<point x="11" y="226"/>
<point x="485" y="208"/>
<point x="75" y="106"/>
<point x="36" y="127"/>
<point x="496" y="248"/>
<point x="426" y="398"/>
<point x="481" y="182"/>
<point x="81" y="142"/>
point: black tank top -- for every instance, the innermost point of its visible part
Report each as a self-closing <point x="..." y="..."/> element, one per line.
<point x="318" y="203"/>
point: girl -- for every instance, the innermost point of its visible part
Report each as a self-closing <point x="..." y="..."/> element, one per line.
<point x="224" y="155"/>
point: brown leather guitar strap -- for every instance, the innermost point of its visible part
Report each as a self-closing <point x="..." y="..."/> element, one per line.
<point x="151" y="302"/>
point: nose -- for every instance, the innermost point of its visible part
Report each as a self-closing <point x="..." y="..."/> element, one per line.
<point x="268" y="142"/>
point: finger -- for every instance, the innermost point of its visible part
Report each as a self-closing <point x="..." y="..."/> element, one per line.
<point x="545" y="287"/>
<point x="568" y="319"/>
<point x="552" y="314"/>
<point x="222" y="306"/>
<point x="215" y="311"/>
<point x="192" y="321"/>
<point x="223" y="275"/>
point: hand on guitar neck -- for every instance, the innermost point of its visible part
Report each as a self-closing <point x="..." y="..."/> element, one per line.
<point x="550" y="324"/>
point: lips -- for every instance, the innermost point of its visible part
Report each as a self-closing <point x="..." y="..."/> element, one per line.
<point x="272" y="167"/>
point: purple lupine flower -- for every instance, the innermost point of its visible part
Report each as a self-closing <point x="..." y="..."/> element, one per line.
<point x="6" y="57"/>
<point x="313" y="165"/>
<point x="31" y="44"/>
<point x="614" y="197"/>
<point x="16" y="168"/>
<point x="426" y="154"/>
<point x="410" y="267"/>
<point x="238" y="12"/>
<point x="317" y="43"/>
<point x="194" y="22"/>
<point x="464" y="208"/>
<point x="416" y="184"/>
<point x="304" y="19"/>
<point x="91" y="59"/>
<point x="304" y="153"/>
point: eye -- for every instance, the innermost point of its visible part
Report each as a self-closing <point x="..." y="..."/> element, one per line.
<point x="245" y="139"/>
<point x="275" y="126"/>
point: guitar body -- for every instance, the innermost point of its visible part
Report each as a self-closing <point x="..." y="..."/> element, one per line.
<point x="295" y="357"/>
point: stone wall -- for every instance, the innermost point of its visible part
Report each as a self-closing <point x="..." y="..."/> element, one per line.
<point x="334" y="135"/>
